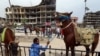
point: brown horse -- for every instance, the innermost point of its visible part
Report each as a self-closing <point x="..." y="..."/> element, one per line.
<point x="37" y="30"/>
<point x="69" y="35"/>
<point x="8" y="38"/>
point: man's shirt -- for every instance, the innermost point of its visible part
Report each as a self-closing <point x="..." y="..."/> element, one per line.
<point x="35" y="49"/>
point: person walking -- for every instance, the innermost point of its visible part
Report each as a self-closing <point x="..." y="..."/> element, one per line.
<point x="58" y="31"/>
<point x="36" y="47"/>
<point x="25" y="29"/>
<point x="48" y="32"/>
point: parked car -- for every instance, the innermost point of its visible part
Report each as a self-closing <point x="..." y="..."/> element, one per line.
<point x="21" y="29"/>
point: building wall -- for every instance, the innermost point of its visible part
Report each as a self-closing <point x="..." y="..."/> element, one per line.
<point x="2" y="20"/>
<point x="92" y="19"/>
<point x="31" y="15"/>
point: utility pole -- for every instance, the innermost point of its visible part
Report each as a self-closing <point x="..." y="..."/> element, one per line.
<point x="85" y="5"/>
<point x="86" y="8"/>
<point x="10" y="6"/>
<point x="85" y="12"/>
<point x="10" y="3"/>
<point x="13" y="16"/>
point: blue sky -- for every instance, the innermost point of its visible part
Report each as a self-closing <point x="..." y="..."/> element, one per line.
<point x="77" y="6"/>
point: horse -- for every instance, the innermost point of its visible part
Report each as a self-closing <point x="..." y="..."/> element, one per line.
<point x="69" y="35"/>
<point x="37" y="30"/>
<point x="30" y="28"/>
<point x="8" y="38"/>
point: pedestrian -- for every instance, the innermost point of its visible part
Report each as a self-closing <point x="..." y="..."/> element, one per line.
<point x="48" y="32"/>
<point x="58" y="32"/>
<point x="43" y="31"/>
<point x="30" y="28"/>
<point x="36" y="47"/>
<point x="62" y="34"/>
<point x="25" y="29"/>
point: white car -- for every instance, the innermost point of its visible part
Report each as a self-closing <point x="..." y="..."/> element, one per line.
<point x="21" y="29"/>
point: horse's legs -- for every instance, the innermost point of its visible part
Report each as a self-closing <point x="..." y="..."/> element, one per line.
<point x="6" y="50"/>
<point x="67" y="50"/>
<point x="93" y="48"/>
<point x="94" y="44"/>
<point x="72" y="51"/>
<point x="87" y="50"/>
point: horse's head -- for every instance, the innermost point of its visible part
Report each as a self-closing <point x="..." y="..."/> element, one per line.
<point x="13" y="47"/>
<point x="62" y="18"/>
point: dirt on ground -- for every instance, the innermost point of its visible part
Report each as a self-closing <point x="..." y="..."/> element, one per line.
<point x="30" y="38"/>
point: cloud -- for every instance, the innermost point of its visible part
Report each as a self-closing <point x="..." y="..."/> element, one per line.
<point x="26" y="2"/>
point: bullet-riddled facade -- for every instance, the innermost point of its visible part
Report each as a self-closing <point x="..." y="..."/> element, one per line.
<point x="92" y="19"/>
<point x="2" y="20"/>
<point x="44" y="12"/>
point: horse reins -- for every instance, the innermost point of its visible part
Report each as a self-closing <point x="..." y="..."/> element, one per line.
<point x="67" y="25"/>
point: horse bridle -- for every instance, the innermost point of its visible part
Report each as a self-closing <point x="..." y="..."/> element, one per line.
<point x="67" y="25"/>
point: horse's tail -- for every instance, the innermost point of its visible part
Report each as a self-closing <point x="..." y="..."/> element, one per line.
<point x="95" y="42"/>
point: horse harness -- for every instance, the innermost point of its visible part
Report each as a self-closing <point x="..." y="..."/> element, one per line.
<point x="83" y="39"/>
<point x="67" y="25"/>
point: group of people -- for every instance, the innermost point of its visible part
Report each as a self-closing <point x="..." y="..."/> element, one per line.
<point x="46" y="31"/>
<point x="49" y="32"/>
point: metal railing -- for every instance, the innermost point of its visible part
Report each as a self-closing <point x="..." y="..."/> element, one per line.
<point x="24" y="51"/>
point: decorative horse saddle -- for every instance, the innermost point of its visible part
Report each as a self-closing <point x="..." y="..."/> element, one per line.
<point x="86" y="35"/>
